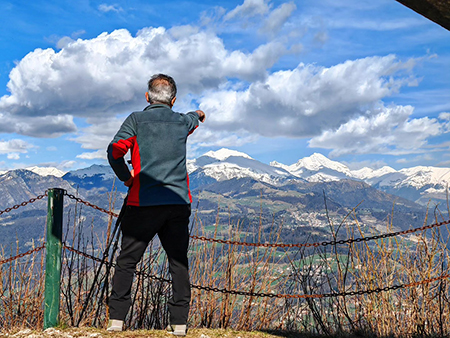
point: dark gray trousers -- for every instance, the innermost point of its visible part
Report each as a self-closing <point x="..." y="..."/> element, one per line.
<point x="139" y="226"/>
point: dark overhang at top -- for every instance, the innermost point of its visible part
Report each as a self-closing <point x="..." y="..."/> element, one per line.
<point x="435" y="10"/>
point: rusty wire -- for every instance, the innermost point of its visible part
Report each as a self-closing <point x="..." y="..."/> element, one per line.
<point x="17" y="206"/>
<point x="283" y="245"/>
<point x="245" y="293"/>
<point x="317" y="244"/>
<point x="29" y="252"/>
<point x="79" y="200"/>
<point x="274" y="295"/>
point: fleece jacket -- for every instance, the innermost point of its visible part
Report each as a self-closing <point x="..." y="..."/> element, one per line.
<point x="156" y="138"/>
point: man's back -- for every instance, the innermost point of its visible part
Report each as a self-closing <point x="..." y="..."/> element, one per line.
<point x="158" y="199"/>
<point x="157" y="138"/>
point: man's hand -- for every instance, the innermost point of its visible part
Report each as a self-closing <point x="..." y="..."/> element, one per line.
<point x="201" y="115"/>
<point x="129" y="183"/>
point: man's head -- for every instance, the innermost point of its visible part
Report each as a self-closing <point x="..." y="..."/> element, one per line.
<point x="161" y="89"/>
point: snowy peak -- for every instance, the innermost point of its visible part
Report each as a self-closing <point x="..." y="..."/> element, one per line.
<point x="41" y="171"/>
<point x="223" y="154"/>
<point x="317" y="161"/>
<point x="422" y="176"/>
<point x="368" y="173"/>
<point x="94" y="170"/>
<point x="46" y="171"/>
<point x="225" y="164"/>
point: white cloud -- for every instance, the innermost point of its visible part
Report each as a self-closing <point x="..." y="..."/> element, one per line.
<point x="14" y="146"/>
<point x="95" y="79"/>
<point x="99" y="133"/>
<point x="278" y="17"/>
<point x="388" y="130"/>
<point x="105" y="74"/>
<point x="13" y="156"/>
<point x="109" y="8"/>
<point x="307" y="100"/>
<point x="64" y="42"/>
<point x="99" y="154"/>
<point x="249" y="8"/>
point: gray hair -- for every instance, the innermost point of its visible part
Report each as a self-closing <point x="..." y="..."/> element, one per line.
<point x="162" y="89"/>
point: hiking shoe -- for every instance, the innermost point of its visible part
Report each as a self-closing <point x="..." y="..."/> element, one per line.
<point x="177" y="330"/>
<point x="115" y="325"/>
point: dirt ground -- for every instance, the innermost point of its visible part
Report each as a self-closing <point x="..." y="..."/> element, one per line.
<point x="100" y="333"/>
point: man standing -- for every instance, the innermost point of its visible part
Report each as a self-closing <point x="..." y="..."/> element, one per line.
<point x="159" y="200"/>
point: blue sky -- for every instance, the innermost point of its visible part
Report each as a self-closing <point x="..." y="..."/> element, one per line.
<point x="362" y="82"/>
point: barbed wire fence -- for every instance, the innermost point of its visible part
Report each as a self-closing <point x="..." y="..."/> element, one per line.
<point x="106" y="260"/>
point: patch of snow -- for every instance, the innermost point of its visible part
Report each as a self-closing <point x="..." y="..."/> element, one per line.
<point x="224" y="153"/>
<point x="421" y="176"/>
<point x="368" y="173"/>
<point x="93" y="170"/>
<point x="191" y="166"/>
<point x="317" y="161"/>
<point x="46" y="171"/>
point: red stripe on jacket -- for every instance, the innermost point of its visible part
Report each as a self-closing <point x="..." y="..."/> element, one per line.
<point x="189" y="190"/>
<point x="119" y="149"/>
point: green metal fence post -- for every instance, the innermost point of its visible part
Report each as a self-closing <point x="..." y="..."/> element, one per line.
<point x="53" y="248"/>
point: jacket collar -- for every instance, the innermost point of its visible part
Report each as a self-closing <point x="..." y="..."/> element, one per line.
<point x="157" y="105"/>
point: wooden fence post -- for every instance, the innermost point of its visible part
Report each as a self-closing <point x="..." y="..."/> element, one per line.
<point x="53" y="257"/>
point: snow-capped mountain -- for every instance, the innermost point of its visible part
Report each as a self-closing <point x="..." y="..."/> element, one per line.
<point x="103" y="171"/>
<point x="99" y="177"/>
<point x="41" y="171"/>
<point x="46" y="171"/>
<point x="317" y="168"/>
<point x="368" y="174"/>
<point x="226" y="164"/>
<point x="417" y="184"/>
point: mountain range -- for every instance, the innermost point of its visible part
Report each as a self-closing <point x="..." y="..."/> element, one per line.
<point x="233" y="188"/>
<point x="419" y="184"/>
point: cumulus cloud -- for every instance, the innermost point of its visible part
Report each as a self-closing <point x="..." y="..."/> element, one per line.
<point x="307" y="100"/>
<point x="40" y="126"/>
<point x="389" y="130"/>
<point x="97" y="79"/>
<point x="101" y="79"/>
<point x="109" y="73"/>
<point x="14" y="146"/>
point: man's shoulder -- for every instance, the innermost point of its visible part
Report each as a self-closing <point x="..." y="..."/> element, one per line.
<point x="158" y="113"/>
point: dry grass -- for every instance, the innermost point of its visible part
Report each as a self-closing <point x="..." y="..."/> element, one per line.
<point x="416" y="311"/>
